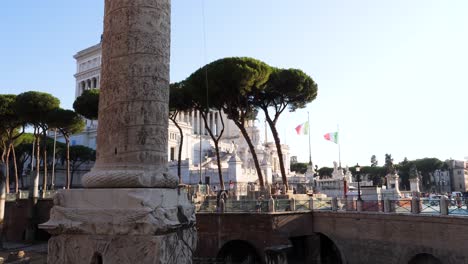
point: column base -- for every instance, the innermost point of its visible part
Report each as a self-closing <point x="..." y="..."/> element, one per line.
<point x="88" y="249"/>
<point x="121" y="226"/>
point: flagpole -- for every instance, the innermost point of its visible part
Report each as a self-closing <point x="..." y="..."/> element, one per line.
<point x="339" y="148"/>
<point x="310" y="152"/>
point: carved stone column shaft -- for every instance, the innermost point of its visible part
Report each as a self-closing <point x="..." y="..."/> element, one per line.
<point x="134" y="96"/>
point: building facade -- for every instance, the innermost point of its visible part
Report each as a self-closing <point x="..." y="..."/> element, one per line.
<point x="458" y="170"/>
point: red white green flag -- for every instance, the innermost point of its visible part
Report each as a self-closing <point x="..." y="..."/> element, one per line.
<point x="333" y="136"/>
<point x="303" y="129"/>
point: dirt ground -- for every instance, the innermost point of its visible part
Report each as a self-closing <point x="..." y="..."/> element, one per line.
<point x="37" y="253"/>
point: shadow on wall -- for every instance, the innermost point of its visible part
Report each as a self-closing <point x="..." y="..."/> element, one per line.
<point x="316" y="248"/>
<point x="239" y="251"/>
<point x="329" y="252"/>
<point x="424" y="258"/>
<point x="97" y="259"/>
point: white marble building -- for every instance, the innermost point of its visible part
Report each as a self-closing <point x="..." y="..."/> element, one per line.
<point x="334" y="186"/>
<point x="458" y="170"/>
<point x="198" y="148"/>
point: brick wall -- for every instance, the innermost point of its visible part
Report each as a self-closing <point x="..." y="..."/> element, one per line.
<point x="17" y="219"/>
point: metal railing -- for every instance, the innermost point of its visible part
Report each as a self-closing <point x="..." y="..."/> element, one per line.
<point x="430" y="206"/>
<point x="400" y="206"/>
<point x="282" y="205"/>
<point x="208" y="205"/>
<point x="322" y="204"/>
<point x="458" y="207"/>
<point x="24" y="194"/>
<point x="302" y="205"/>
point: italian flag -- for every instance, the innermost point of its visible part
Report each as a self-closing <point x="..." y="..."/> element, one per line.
<point x="332" y="137"/>
<point x="303" y="129"/>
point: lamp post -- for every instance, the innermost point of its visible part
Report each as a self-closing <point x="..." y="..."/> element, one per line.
<point x="358" y="179"/>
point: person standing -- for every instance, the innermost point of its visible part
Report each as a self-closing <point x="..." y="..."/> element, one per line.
<point x="259" y="203"/>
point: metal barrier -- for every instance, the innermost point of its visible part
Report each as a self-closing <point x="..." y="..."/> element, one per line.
<point x="303" y="205"/>
<point x="24" y="194"/>
<point x="372" y="206"/>
<point x="282" y="205"/>
<point x="323" y="204"/>
<point x="242" y="205"/>
<point x="429" y="206"/>
<point x="401" y="206"/>
<point x="208" y="205"/>
<point x="458" y="207"/>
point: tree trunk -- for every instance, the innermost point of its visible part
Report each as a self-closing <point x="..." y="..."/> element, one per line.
<point x="3" y="151"/>
<point x="44" y="178"/>
<point x="33" y="192"/>
<point x="173" y="118"/>
<point x="67" y="182"/>
<point x="216" y="142"/>
<point x="52" y="180"/>
<point x="15" y="166"/>
<point x="274" y="131"/>
<point x="35" y="179"/>
<point x="7" y="165"/>
<point x="220" y="173"/>
<point x="252" y="150"/>
<point x="71" y="178"/>
<point x="179" y="155"/>
<point x="2" y="201"/>
<point x="21" y="172"/>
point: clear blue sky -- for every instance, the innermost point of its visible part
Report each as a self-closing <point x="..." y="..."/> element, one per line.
<point x="391" y="74"/>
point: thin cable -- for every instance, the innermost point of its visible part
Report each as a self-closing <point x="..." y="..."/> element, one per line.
<point x="206" y="82"/>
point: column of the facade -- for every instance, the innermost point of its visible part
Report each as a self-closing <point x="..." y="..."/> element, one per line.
<point x="201" y="123"/>
<point x="198" y="123"/>
<point x="218" y="124"/>
<point x="212" y="121"/>
<point x="195" y="122"/>
<point x="208" y="122"/>
<point x="181" y="116"/>
<point x="215" y="123"/>
<point x="192" y="118"/>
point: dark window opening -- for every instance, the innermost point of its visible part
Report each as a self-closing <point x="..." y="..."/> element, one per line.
<point x="172" y="154"/>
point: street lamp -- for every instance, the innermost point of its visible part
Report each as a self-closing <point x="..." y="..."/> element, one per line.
<point x="358" y="179"/>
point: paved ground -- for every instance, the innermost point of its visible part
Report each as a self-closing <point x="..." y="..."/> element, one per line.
<point x="37" y="253"/>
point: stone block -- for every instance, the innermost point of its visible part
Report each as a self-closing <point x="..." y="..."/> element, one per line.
<point x="119" y="211"/>
<point x="174" y="247"/>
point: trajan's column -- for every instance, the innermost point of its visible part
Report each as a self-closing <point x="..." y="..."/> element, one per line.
<point x="131" y="210"/>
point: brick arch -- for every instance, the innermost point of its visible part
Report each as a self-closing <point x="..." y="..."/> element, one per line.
<point x="239" y="251"/>
<point x="424" y="258"/>
<point x="329" y="244"/>
<point x="415" y="255"/>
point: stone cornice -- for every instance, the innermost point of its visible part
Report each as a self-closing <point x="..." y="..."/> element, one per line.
<point x="88" y="73"/>
<point x="87" y="51"/>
